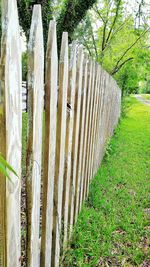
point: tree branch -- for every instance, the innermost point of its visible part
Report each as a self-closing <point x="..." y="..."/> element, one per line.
<point x="98" y="13"/>
<point x="114" y="34"/>
<point x="117" y="68"/>
<point x="87" y="46"/>
<point x="114" y="21"/>
<point x="131" y="46"/>
<point x="94" y="43"/>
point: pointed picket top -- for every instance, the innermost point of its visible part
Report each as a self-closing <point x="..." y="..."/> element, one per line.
<point x="36" y="26"/>
<point x="64" y="47"/>
<point x="34" y="142"/>
<point x="52" y="42"/>
<point x="60" y="149"/>
<point x="80" y="57"/>
<point x="11" y="98"/>
<point x="51" y="84"/>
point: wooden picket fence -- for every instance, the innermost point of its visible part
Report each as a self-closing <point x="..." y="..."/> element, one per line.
<point x="82" y="108"/>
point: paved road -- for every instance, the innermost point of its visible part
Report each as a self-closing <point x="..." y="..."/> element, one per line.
<point x="141" y="99"/>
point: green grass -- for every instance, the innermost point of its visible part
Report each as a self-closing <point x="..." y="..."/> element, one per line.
<point x="146" y="96"/>
<point x="113" y="226"/>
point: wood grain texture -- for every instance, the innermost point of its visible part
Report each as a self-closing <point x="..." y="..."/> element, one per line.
<point x="96" y="145"/>
<point x="92" y="140"/>
<point x="51" y="84"/>
<point x="11" y="118"/>
<point x="76" y="134"/>
<point x="81" y="138"/>
<point x="95" y="121"/>
<point x="3" y="255"/>
<point x="34" y="139"/>
<point x="89" y="130"/>
<point x="69" y="137"/>
<point x="86" y="130"/>
<point x="60" y="150"/>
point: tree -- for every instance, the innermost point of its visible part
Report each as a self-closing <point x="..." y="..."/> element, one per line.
<point x="115" y="43"/>
<point x="70" y="13"/>
<point x="25" y="8"/>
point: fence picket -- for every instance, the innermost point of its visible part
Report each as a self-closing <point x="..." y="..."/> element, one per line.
<point x="51" y="80"/>
<point x="90" y="131"/>
<point x="3" y="256"/>
<point x="34" y="143"/>
<point x="60" y="150"/>
<point x="93" y="123"/>
<point x="11" y="119"/>
<point x="69" y="136"/>
<point x="76" y="134"/>
<point x="95" y="119"/>
<point x="84" y="161"/>
<point x="96" y="146"/>
<point x="81" y="137"/>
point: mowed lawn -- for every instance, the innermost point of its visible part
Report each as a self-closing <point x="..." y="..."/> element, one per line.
<point x="113" y="228"/>
<point x="146" y="96"/>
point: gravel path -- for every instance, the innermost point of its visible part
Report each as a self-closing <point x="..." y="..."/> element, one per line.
<point x="142" y="100"/>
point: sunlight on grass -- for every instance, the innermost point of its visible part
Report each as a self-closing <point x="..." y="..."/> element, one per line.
<point x="146" y="96"/>
<point x="113" y="226"/>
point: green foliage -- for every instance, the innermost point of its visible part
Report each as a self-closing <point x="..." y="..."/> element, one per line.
<point x="72" y="13"/>
<point x="113" y="227"/>
<point x="4" y="166"/>
<point x="69" y="13"/>
<point x="117" y="44"/>
<point x="25" y="8"/>
<point x="128" y="79"/>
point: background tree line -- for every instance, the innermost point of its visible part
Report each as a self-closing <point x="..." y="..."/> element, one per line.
<point x="113" y="34"/>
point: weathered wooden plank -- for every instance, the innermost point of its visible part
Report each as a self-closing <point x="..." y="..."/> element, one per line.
<point x="76" y="134"/>
<point x="97" y="137"/>
<point x="101" y="126"/>
<point x="3" y="138"/>
<point x="92" y="140"/>
<point x="34" y="139"/>
<point x="11" y="122"/>
<point x="89" y="130"/>
<point x="95" y="118"/>
<point x="87" y="114"/>
<point x="51" y="83"/>
<point x="81" y="137"/>
<point x="60" y="150"/>
<point x="69" y="137"/>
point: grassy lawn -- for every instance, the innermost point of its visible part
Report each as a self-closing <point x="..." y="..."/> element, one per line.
<point x="113" y="227"/>
<point x="146" y="96"/>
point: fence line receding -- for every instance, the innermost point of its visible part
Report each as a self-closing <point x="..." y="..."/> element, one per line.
<point x="66" y="138"/>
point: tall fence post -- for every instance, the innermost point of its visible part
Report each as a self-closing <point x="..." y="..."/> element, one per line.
<point x="34" y="142"/>
<point x="76" y="134"/>
<point x="81" y="137"/>
<point x="60" y="151"/>
<point x="10" y="134"/>
<point x="51" y="84"/>
<point x="69" y="140"/>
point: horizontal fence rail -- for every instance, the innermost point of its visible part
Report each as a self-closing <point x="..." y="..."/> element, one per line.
<point x="66" y="139"/>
